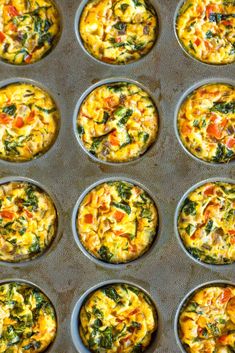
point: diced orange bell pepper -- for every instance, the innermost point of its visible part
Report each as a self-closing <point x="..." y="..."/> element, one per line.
<point x="213" y="130"/>
<point x="88" y="218"/>
<point x="4" y="119"/>
<point x="12" y="11"/>
<point x="28" y="58"/>
<point x="113" y="139"/>
<point x="197" y="42"/>
<point x="209" y="190"/>
<point x="226" y="295"/>
<point x="231" y="142"/>
<point x="31" y="117"/>
<point x="19" y="122"/>
<point x="2" y="37"/>
<point x="7" y="214"/>
<point x="118" y="216"/>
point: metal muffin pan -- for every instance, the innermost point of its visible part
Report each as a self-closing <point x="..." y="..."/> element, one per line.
<point x="184" y="302"/>
<point x="177" y="212"/>
<point x="76" y="234"/>
<point x="9" y="280"/>
<point x="81" y="348"/>
<point x="59" y="228"/>
<point x="66" y="171"/>
<point x="185" y="95"/>
<point x="86" y="94"/>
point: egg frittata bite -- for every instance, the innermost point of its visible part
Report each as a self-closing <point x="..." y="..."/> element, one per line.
<point x="118" y="31"/>
<point x="206" y="123"/>
<point x="28" y="221"/>
<point x="117" y="222"/>
<point x="206" y="30"/>
<point x="27" y="319"/>
<point x="117" y="318"/>
<point x="206" y="223"/>
<point x="207" y="320"/>
<point x="117" y="122"/>
<point x="29" y="122"/>
<point x="28" y="30"/>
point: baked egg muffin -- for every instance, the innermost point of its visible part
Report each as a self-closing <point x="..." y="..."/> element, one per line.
<point x="28" y="30"/>
<point x="28" y="221"/>
<point x="117" y="222"/>
<point x="118" y="31"/>
<point x="117" y="318"/>
<point x="206" y="30"/>
<point x="29" y="122"/>
<point x="27" y="319"/>
<point x="117" y="122"/>
<point x="206" y="223"/>
<point x="207" y="320"/>
<point x="206" y="123"/>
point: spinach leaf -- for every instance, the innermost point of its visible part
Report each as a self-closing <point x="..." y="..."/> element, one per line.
<point x="106" y="340"/>
<point x="35" y="247"/>
<point x="33" y="345"/>
<point x="124" y="190"/>
<point x="97" y="312"/>
<point x="197" y="253"/>
<point x="81" y="130"/>
<point x="138" y="348"/>
<point x="48" y="37"/>
<point x="217" y="17"/>
<point x="31" y="200"/>
<point x="106" y="116"/>
<point x="10" y="109"/>
<point x="189" y="229"/>
<point x="124" y="113"/>
<point x="222" y="154"/>
<point x="117" y="87"/>
<point x="96" y="141"/>
<point x="105" y="253"/>
<point x="48" y="111"/>
<point x="111" y="293"/>
<point x="209" y="34"/>
<point x="146" y="213"/>
<point x="144" y="136"/>
<point x="97" y="324"/>
<point x="126" y="208"/>
<point x="123" y="7"/>
<point x="137" y="3"/>
<point x="120" y="26"/>
<point x="189" y="207"/>
<point x="209" y="226"/>
<point x="224" y="107"/>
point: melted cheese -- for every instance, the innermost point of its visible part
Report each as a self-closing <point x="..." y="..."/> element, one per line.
<point x="206" y="28"/>
<point x="29" y="122"/>
<point x="28" y="221"/>
<point x="206" y="323"/>
<point x="118" y="31"/>
<point x="27" y="319"/>
<point x="117" y="222"/>
<point x="206" y="123"/>
<point x="206" y="223"/>
<point x="117" y="318"/>
<point x="28" y="30"/>
<point x="117" y="122"/>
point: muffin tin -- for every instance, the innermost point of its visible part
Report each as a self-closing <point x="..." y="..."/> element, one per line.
<point x="166" y="272"/>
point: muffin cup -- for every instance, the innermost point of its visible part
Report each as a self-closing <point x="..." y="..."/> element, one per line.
<point x="59" y="230"/>
<point x="44" y="57"/>
<point x="97" y="261"/>
<point x="49" y="349"/>
<point x="181" y="100"/>
<point x="177" y="212"/>
<point x="184" y="302"/>
<point x="80" y="41"/>
<point x="85" y="95"/>
<point x="41" y="86"/>
<point x="181" y="2"/>
<point x="74" y="327"/>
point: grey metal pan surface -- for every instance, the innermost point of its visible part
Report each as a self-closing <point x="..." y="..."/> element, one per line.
<point x="166" y="273"/>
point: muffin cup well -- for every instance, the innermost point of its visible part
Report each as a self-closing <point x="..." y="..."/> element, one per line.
<point x="75" y="230"/>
